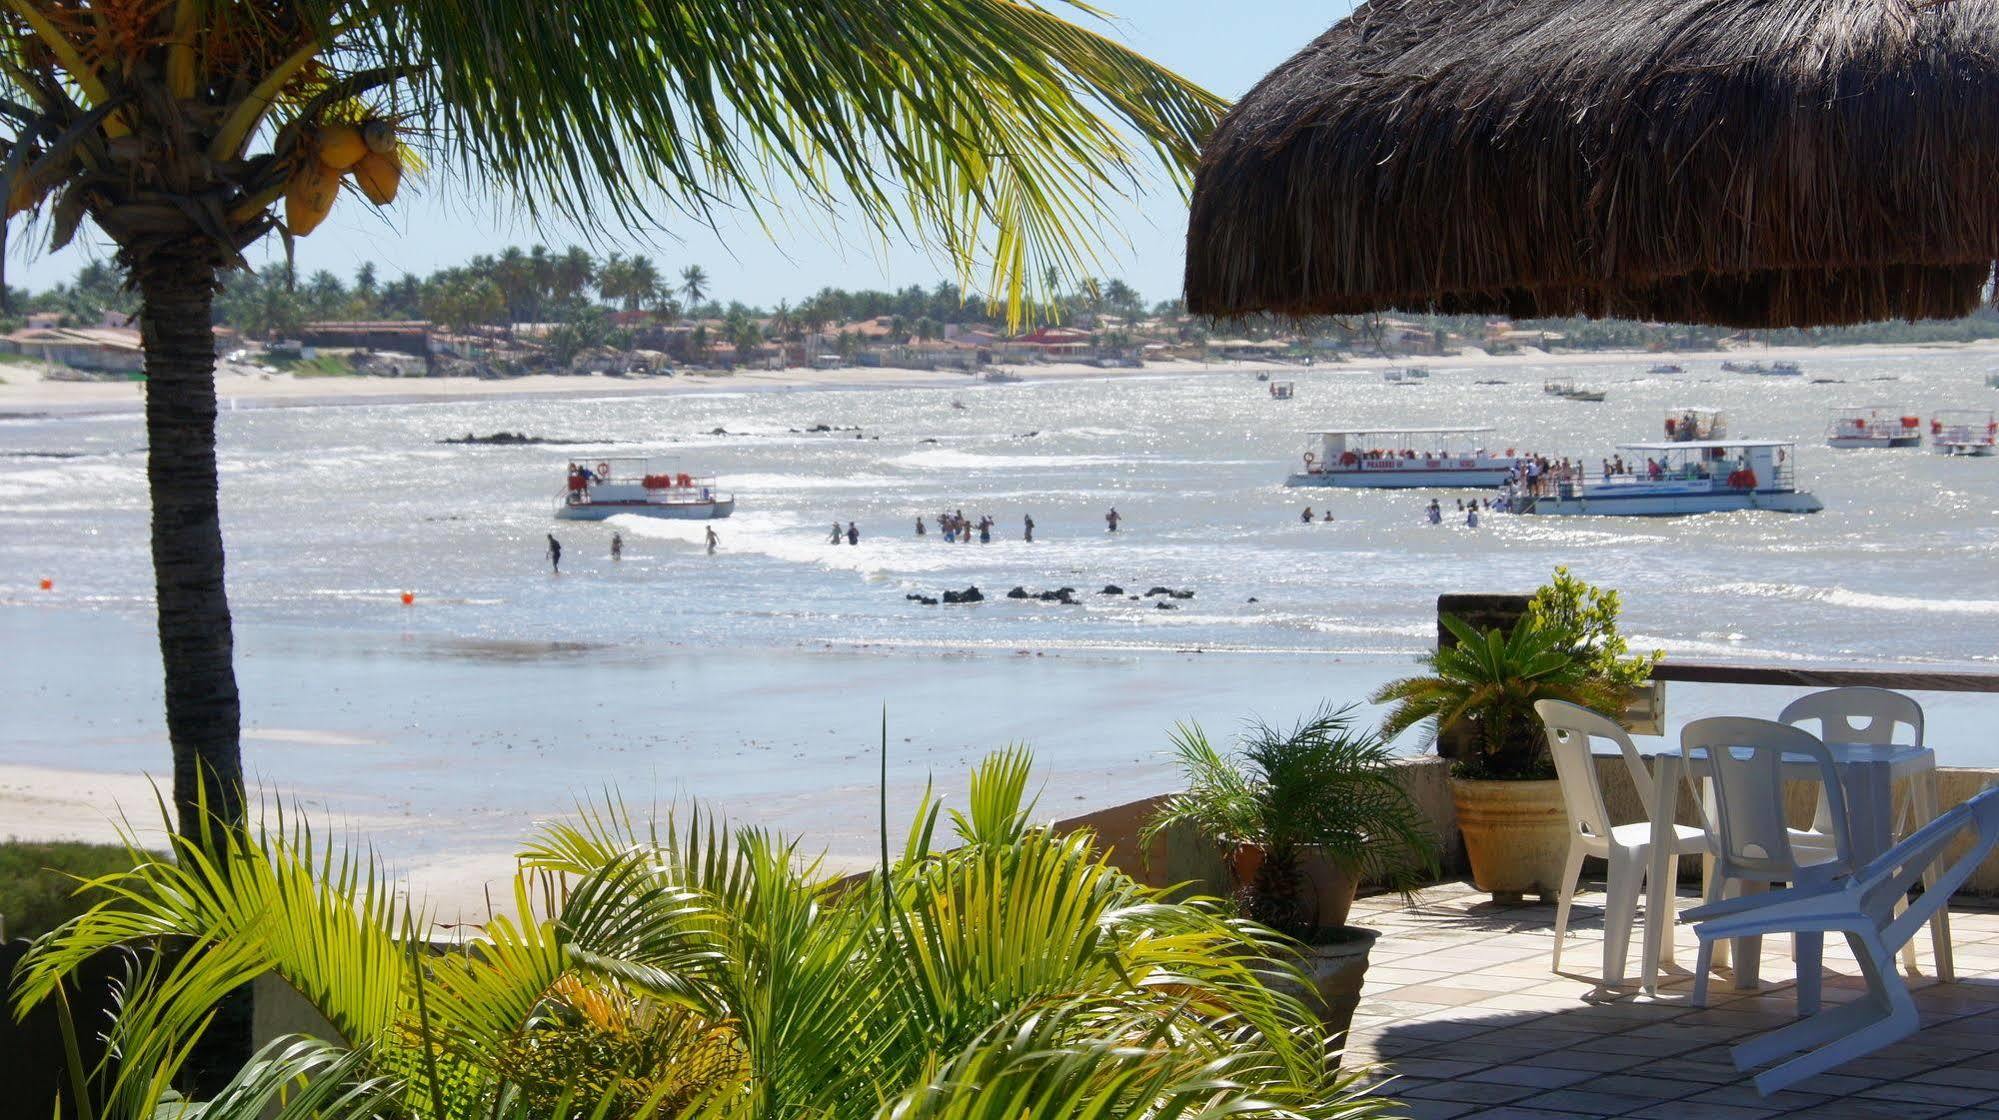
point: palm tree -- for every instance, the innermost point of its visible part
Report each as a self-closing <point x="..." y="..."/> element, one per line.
<point x="704" y="972"/>
<point x="694" y="284"/>
<point x="178" y="126"/>
<point x="642" y="282"/>
<point x="575" y="272"/>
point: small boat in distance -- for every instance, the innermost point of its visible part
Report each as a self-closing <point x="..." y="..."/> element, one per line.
<point x="1784" y="369"/>
<point x="1666" y="367"/>
<point x="1282" y="390"/>
<point x="1391" y="375"/>
<point x="1677" y="479"/>
<point x="1743" y="367"/>
<point x="999" y="377"/>
<point x="641" y="487"/>
<point x="1416" y="373"/>
<point x="1405" y="458"/>
<point x="1686" y="423"/>
<point x="1968" y="432"/>
<point x="1875" y="427"/>
<point x="1570" y="391"/>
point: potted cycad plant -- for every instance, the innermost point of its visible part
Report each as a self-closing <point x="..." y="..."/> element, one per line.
<point x="1503" y="785"/>
<point x="1303" y="818"/>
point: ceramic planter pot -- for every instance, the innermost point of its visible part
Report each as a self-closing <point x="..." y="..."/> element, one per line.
<point x="1335" y="968"/>
<point x="1330" y="887"/>
<point x="1516" y="836"/>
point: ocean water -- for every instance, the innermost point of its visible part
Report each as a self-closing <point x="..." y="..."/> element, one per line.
<point x="331" y="512"/>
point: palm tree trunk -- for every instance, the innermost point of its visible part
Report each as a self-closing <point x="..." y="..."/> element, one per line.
<point x="196" y="643"/>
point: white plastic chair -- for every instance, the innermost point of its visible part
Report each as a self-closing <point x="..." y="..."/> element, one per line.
<point x="1625" y="847"/>
<point x="1744" y="764"/>
<point x="1880" y="717"/>
<point x="1863" y="909"/>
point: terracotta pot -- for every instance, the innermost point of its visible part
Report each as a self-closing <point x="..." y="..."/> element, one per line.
<point x="1330" y="886"/>
<point x="1336" y="968"/>
<point x="1516" y="836"/>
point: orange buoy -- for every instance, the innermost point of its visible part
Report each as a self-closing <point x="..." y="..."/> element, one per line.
<point x="48" y="585"/>
<point x="409" y="598"/>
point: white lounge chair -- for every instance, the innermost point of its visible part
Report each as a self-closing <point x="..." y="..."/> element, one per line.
<point x="1862" y="908"/>
<point x="1625" y="847"/>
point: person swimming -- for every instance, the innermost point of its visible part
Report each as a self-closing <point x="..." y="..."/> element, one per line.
<point x="713" y="540"/>
<point x="1307" y="518"/>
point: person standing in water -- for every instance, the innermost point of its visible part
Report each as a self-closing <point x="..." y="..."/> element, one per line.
<point x="1471" y="517"/>
<point x="920" y="530"/>
<point x="985" y="530"/>
<point x="836" y="533"/>
<point x="1436" y="513"/>
<point x="617" y="547"/>
<point x="713" y="540"/>
<point x="1029" y="535"/>
<point x="1111" y="519"/>
<point x="554" y="554"/>
<point x="853" y="534"/>
<point x="1308" y="515"/>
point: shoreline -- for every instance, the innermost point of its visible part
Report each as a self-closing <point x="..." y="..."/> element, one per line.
<point x="26" y="394"/>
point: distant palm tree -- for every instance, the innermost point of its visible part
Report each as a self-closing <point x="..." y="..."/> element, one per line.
<point x="575" y="271"/>
<point x="642" y="282"/>
<point x="694" y="284"/>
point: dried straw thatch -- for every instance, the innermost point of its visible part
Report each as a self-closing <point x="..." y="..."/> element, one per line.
<point x="1742" y="162"/>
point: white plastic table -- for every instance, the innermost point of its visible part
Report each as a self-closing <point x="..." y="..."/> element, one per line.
<point x="1868" y="775"/>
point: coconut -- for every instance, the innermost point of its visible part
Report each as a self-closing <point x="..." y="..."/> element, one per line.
<point x="23" y="196"/>
<point x="341" y="146"/>
<point x="380" y="136"/>
<point x="309" y="197"/>
<point x="378" y="176"/>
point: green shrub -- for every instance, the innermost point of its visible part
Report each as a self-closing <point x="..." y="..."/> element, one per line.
<point x="38" y="882"/>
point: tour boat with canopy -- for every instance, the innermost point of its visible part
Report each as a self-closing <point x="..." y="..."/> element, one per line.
<point x="1404" y="458"/>
<point x="1964" y="431"/>
<point x="610" y="487"/>
<point x="1676" y="478"/>
<point x="1686" y="424"/>
<point x="1874" y="426"/>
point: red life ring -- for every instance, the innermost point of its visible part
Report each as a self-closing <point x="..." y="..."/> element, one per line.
<point x="603" y="471"/>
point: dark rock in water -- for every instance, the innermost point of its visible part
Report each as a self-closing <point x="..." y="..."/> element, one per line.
<point x="1181" y="594"/>
<point x="1133" y="598"/>
<point x="718" y="431"/>
<point x="968" y="595"/>
<point x="926" y="600"/>
<point x="1111" y="589"/>
<point x="1027" y="435"/>
<point x="1159" y="591"/>
<point x="1252" y="598"/>
<point x="1064" y="595"/>
<point x="932" y="440"/>
<point x="914" y="598"/>
<point x="1166" y="606"/>
<point x="513" y="439"/>
<point x="830" y="428"/>
<point x="1017" y="593"/>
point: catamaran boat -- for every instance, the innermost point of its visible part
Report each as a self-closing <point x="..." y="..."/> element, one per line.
<point x="1666" y="367"/>
<point x="1964" y="431"/>
<point x="1404" y="458"/>
<point x="1677" y="478"/>
<point x="1873" y="427"/>
<point x="1686" y="423"/>
<point x="642" y="487"/>
<point x="1282" y="390"/>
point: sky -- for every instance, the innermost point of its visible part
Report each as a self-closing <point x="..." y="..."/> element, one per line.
<point x="1225" y="45"/>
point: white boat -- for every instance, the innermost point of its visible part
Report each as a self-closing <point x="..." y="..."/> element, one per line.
<point x="1000" y="377"/>
<point x="641" y="487"/>
<point x="1874" y="427"/>
<point x="1687" y="423"/>
<point x="1967" y="432"/>
<point x="1743" y="367"/>
<point x="1416" y="373"/>
<point x="1784" y="369"/>
<point x="1405" y="458"/>
<point x="1666" y="367"/>
<point x="1391" y="375"/>
<point x="1282" y="390"/>
<point x="1675" y="479"/>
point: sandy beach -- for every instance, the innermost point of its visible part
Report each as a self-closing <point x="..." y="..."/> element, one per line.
<point x="24" y="388"/>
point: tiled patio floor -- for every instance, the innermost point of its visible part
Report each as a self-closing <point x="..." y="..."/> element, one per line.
<point x="1462" y="1010"/>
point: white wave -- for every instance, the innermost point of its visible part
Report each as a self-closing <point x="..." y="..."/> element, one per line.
<point x="1843" y="597"/>
<point x="783" y="483"/>
<point x="947" y="459"/>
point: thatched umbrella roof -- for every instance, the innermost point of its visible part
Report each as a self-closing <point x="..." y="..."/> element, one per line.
<point x="1742" y="162"/>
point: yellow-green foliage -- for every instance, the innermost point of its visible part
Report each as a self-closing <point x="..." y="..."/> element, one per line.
<point x="697" y="970"/>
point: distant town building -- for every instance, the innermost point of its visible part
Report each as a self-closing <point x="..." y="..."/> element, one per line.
<point x="412" y="336"/>
<point x="92" y="349"/>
